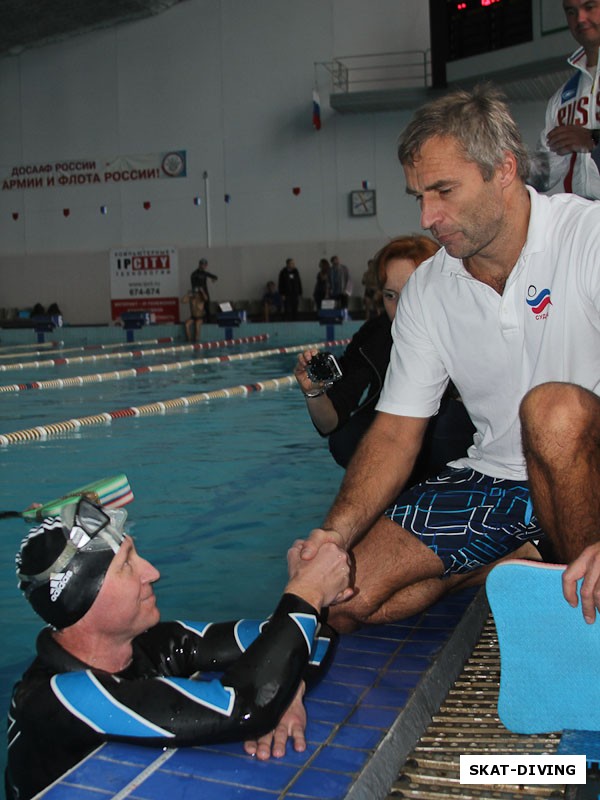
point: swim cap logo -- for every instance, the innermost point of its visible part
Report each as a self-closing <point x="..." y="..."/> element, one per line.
<point x="538" y="301"/>
<point x="58" y="581"/>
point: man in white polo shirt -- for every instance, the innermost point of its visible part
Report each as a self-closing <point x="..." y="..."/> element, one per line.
<point x="508" y="309"/>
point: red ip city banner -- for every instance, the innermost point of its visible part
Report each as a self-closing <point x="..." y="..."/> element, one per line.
<point x="145" y="280"/>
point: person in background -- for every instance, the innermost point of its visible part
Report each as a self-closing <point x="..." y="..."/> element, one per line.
<point x="509" y="310"/>
<point x="322" y="289"/>
<point x="199" y="279"/>
<point x="372" y="302"/>
<point x="193" y="325"/>
<point x="341" y="283"/>
<point x="107" y="668"/>
<point x="290" y="289"/>
<point x="37" y="311"/>
<point x="344" y="411"/>
<point x="271" y="301"/>
<point x="569" y="147"/>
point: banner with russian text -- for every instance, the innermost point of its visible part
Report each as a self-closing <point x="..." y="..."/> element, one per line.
<point x="145" y="280"/>
<point x="95" y="171"/>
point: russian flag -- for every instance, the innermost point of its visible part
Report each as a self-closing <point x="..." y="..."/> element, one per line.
<point x="316" y="112"/>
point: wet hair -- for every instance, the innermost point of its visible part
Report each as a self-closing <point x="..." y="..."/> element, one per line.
<point x="415" y="247"/>
<point x="480" y="122"/>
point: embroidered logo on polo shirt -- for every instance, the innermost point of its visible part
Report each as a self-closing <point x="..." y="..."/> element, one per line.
<point x="538" y="301"/>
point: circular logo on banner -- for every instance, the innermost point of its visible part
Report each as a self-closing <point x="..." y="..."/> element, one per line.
<point x="173" y="165"/>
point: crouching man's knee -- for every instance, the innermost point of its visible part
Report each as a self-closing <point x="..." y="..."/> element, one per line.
<point x="559" y="411"/>
<point x="348" y="617"/>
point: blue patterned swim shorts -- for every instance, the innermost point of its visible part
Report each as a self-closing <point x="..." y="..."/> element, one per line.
<point x="468" y="519"/>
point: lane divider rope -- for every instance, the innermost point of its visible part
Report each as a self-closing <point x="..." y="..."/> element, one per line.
<point x="28" y="346"/>
<point x="54" y="362"/>
<point x="134" y="372"/>
<point x="43" y="432"/>
<point x="59" y="345"/>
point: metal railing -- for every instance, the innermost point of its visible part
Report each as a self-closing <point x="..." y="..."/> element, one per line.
<point x="407" y="69"/>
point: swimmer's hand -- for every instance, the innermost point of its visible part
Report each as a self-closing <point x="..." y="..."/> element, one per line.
<point x="291" y="726"/>
<point x="586" y="566"/>
<point x="323" y="579"/>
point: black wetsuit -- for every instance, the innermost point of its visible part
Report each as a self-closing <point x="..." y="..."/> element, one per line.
<point x="61" y="710"/>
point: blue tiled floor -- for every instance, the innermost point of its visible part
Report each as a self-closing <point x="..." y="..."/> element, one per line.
<point x="374" y="675"/>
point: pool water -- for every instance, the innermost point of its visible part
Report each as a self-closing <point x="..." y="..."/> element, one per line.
<point x="221" y="489"/>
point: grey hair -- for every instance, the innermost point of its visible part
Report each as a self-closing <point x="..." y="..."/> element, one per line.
<point x="479" y="120"/>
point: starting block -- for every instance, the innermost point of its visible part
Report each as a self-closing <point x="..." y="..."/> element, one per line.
<point x="331" y="317"/>
<point x="134" y="320"/>
<point x="229" y="319"/>
<point x="46" y="324"/>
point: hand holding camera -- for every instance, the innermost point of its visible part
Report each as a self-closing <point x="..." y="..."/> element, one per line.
<point x="316" y="372"/>
<point x="324" y="369"/>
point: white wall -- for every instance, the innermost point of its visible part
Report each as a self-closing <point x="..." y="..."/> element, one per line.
<point x="230" y="82"/>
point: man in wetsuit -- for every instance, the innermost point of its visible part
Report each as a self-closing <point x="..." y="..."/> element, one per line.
<point x="106" y="668"/>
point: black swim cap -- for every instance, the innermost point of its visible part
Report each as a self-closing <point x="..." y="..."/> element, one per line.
<point x="62" y="562"/>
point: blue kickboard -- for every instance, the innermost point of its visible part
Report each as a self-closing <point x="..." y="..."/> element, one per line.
<point x="549" y="656"/>
<point x="573" y="743"/>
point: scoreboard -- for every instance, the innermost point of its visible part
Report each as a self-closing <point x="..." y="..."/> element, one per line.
<point x="481" y="26"/>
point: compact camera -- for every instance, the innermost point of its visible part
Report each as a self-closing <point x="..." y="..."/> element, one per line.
<point x="324" y="368"/>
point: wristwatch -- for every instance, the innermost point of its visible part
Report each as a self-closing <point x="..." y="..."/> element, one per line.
<point x="595" y="134"/>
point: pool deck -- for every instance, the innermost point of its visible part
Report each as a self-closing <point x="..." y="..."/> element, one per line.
<point x="364" y="718"/>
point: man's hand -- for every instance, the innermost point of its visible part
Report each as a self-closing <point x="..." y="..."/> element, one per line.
<point x="586" y="566"/>
<point x="565" y="139"/>
<point x="317" y="537"/>
<point x="324" y="579"/>
<point x="291" y="726"/>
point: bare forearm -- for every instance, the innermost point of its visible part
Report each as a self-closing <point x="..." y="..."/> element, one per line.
<point x="323" y="413"/>
<point x="377" y="473"/>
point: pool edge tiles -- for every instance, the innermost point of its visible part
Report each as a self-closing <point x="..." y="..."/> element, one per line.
<point x="363" y="720"/>
<point x="378" y="775"/>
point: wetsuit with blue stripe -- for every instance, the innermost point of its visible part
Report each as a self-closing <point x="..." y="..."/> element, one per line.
<point x="61" y="709"/>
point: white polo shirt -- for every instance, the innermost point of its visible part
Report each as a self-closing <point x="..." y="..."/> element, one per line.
<point x="544" y="327"/>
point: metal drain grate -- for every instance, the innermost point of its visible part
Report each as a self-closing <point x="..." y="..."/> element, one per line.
<point x="467" y="722"/>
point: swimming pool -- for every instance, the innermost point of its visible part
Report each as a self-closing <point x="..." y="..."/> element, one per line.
<point x="221" y="489"/>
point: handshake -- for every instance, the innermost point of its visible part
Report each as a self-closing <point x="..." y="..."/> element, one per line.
<point x="320" y="571"/>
